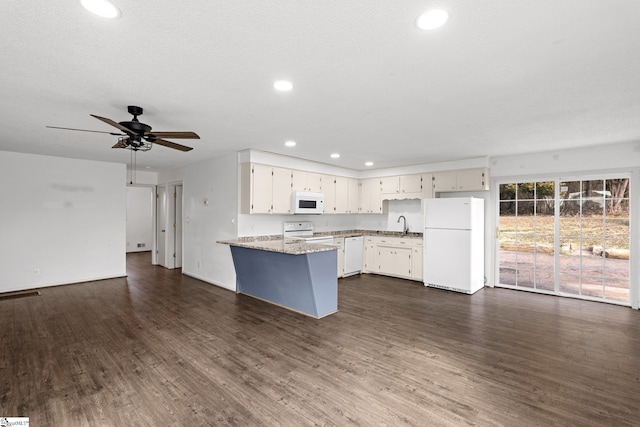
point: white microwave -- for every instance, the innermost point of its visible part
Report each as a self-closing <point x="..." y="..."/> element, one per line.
<point x="304" y="202"/>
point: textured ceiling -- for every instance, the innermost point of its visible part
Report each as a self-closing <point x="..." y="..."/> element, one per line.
<point x="502" y="77"/>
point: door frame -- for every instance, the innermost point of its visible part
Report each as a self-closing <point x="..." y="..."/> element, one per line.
<point x="634" y="228"/>
<point x="170" y="219"/>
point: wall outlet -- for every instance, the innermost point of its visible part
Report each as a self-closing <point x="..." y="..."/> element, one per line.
<point x="36" y="271"/>
<point x="141" y="245"/>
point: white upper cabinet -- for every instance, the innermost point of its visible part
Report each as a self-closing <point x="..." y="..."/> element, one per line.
<point x="415" y="186"/>
<point x="342" y="195"/>
<point x="390" y="184"/>
<point x="410" y="184"/>
<point x="264" y="189"/>
<point x="281" y="191"/>
<point x="371" y="196"/>
<point x="306" y="181"/>
<point x="353" y="195"/>
<point x="472" y="180"/>
<point x="444" y="181"/>
<point x="330" y="193"/>
<point x="462" y="180"/>
<point x="267" y="189"/>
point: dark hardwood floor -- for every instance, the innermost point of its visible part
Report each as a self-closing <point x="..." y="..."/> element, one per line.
<point x="162" y="349"/>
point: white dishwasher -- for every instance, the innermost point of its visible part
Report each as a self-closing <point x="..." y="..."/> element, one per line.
<point x="353" y="247"/>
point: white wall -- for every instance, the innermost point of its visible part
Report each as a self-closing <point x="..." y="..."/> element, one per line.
<point x="61" y="220"/>
<point x="142" y="178"/>
<point x="210" y="211"/>
<point x="139" y="219"/>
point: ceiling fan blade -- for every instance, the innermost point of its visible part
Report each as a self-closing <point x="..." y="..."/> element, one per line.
<point x="172" y="145"/>
<point x="112" y="123"/>
<point x="175" y="135"/>
<point x="122" y="143"/>
<point x="82" y="130"/>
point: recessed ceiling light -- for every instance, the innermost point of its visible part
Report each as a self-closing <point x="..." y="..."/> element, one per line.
<point x="335" y="156"/>
<point x="432" y="19"/>
<point x="368" y="164"/>
<point x="283" y="85"/>
<point x="103" y="8"/>
<point x="290" y="143"/>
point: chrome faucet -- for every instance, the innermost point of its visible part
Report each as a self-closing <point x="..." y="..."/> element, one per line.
<point x="405" y="229"/>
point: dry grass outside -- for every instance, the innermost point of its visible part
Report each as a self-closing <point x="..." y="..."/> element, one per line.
<point x="529" y="233"/>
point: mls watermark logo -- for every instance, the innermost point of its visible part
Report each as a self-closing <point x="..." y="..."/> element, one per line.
<point x="14" y="421"/>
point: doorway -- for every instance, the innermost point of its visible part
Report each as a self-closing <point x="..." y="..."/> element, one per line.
<point x="567" y="237"/>
<point x="169" y="226"/>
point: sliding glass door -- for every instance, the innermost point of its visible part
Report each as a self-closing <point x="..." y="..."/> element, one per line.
<point x="565" y="237"/>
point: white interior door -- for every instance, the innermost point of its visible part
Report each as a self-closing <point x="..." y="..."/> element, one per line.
<point x="161" y="225"/>
<point x="178" y="227"/>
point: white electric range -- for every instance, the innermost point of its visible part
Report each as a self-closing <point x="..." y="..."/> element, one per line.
<point x="303" y="230"/>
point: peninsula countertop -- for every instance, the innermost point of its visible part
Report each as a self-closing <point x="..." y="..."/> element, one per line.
<point x="288" y="246"/>
<point x="276" y="243"/>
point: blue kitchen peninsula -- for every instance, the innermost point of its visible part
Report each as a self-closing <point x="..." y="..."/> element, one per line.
<point x="295" y="275"/>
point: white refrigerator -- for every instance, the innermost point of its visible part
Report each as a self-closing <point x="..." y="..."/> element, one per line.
<point x="454" y="244"/>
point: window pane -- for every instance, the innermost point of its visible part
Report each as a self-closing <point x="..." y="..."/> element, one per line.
<point x="507" y="208"/>
<point x="570" y="283"/>
<point x="593" y="247"/>
<point x="525" y="271"/>
<point x="526" y="190"/>
<point x="617" y="188"/>
<point x="507" y="191"/>
<point x="545" y="190"/>
<point x="592" y="285"/>
<point x="544" y="267"/>
<point x="617" y="207"/>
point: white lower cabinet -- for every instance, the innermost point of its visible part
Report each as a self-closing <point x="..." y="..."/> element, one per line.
<point x="393" y="256"/>
<point x="370" y="263"/>
<point x="416" y="262"/>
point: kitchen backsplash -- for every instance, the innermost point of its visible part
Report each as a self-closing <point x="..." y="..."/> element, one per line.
<point x="258" y="225"/>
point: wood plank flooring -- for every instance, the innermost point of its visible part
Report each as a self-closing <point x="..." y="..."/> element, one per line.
<point x="159" y="348"/>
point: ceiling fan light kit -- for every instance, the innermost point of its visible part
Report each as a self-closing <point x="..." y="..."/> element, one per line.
<point x="137" y="136"/>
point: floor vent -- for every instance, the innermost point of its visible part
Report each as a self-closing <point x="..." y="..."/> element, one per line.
<point x="12" y="295"/>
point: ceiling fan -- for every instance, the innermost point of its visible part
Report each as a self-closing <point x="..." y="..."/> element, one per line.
<point x="137" y="136"/>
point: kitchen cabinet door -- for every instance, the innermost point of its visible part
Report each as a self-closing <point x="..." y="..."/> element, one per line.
<point x="314" y="182"/>
<point x="261" y="188"/>
<point x="402" y="262"/>
<point x="386" y="260"/>
<point x="369" y="258"/>
<point x="427" y="185"/>
<point x="330" y="196"/>
<point x="371" y="196"/>
<point x="353" y="195"/>
<point x="411" y="184"/>
<point x="306" y="181"/>
<point x="417" y="262"/>
<point x="390" y="185"/>
<point x="342" y="196"/>
<point x="444" y="181"/>
<point x="472" y="180"/>
<point x="298" y="180"/>
<point x="281" y="191"/>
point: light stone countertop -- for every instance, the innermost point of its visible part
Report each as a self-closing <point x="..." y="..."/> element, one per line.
<point x="291" y="247"/>
<point x="275" y="243"/>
